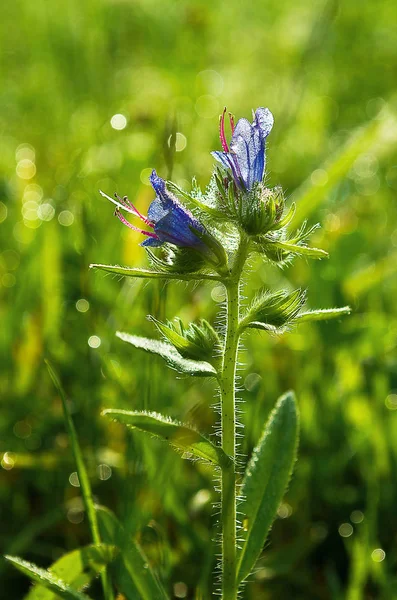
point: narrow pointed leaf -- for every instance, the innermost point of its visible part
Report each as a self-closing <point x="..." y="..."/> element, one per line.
<point x="301" y="250"/>
<point x="133" y="574"/>
<point x="77" y="568"/>
<point x="266" y="479"/>
<point x="149" y="274"/>
<point x="183" y="438"/>
<point x="188" y="366"/>
<point x="46" y="579"/>
<point x="323" y="314"/>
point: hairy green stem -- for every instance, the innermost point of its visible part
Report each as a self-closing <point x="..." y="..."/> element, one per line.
<point x="228" y="410"/>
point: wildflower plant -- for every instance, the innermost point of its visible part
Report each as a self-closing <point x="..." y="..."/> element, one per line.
<point x="210" y="236"/>
<point x="236" y="217"/>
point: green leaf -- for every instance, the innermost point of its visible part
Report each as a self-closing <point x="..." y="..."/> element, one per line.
<point x="46" y="579"/>
<point x="266" y="479"/>
<point x="132" y="571"/>
<point x="77" y="568"/>
<point x="272" y="312"/>
<point x="300" y="250"/>
<point x="195" y="368"/>
<point x="148" y="274"/>
<point x="183" y="438"/>
<point x="323" y="314"/>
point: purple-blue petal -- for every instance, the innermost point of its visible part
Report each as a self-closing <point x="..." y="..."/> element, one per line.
<point x="264" y="120"/>
<point x="151" y="242"/>
<point x="156" y="210"/>
<point x="247" y="158"/>
<point x="171" y="220"/>
<point x="175" y="229"/>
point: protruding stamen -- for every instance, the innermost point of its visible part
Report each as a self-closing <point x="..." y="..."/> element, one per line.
<point x="118" y="204"/>
<point x="131" y="208"/>
<point x="231" y="120"/>
<point x="118" y="214"/>
<point x="222" y="131"/>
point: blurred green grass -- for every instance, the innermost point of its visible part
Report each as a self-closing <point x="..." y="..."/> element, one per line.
<point x="327" y="71"/>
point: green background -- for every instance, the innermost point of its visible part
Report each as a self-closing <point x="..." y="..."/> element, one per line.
<point x="327" y="72"/>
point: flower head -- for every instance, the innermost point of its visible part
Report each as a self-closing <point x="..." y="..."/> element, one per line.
<point x="167" y="220"/>
<point x="246" y="156"/>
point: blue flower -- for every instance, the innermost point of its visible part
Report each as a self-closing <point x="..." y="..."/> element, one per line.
<point x="167" y="220"/>
<point x="246" y="157"/>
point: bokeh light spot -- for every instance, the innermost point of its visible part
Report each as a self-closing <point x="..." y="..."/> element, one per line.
<point x="26" y="169"/>
<point x="210" y="81"/>
<point x="357" y="516"/>
<point x="66" y="218"/>
<point x="284" y="511"/>
<point x="3" y="212"/>
<point x="144" y="176"/>
<point x="74" y="479"/>
<point x="180" y="589"/>
<point x="218" y="293"/>
<point x="94" y="341"/>
<point x="46" y="211"/>
<point x="82" y="305"/>
<point x="104" y="472"/>
<point x="378" y="555"/>
<point x="319" y="177"/>
<point x="345" y="530"/>
<point x="207" y="106"/>
<point x="180" y="142"/>
<point x="118" y="121"/>
<point x="22" y="429"/>
<point x="8" y="461"/>
<point x="25" y="152"/>
<point x="8" y="280"/>
<point x="391" y="402"/>
<point x="252" y="381"/>
<point x="29" y="210"/>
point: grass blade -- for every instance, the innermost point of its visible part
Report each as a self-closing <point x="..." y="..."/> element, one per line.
<point x="83" y="476"/>
<point x="133" y="574"/>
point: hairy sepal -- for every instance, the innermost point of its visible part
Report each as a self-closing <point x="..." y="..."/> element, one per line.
<point x="198" y="341"/>
<point x="273" y="311"/>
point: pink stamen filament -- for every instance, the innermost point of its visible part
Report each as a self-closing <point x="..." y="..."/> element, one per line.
<point x="222" y="131"/>
<point x="124" y="220"/>
<point x="131" y="208"/>
<point x="231" y="120"/>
